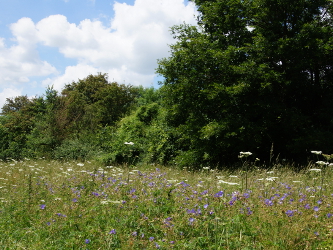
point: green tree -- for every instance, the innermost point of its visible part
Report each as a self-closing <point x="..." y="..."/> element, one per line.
<point x="252" y="73"/>
<point x="17" y="122"/>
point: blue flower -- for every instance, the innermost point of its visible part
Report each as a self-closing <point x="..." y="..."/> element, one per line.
<point x="307" y="206"/>
<point x="113" y="231"/>
<point x="290" y="213"/>
<point x="268" y="202"/>
<point x="191" y="220"/>
<point x="87" y="241"/>
<point x="43" y="206"/>
<point x="219" y="194"/>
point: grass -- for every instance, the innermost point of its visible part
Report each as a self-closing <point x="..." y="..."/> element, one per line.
<point x="72" y="205"/>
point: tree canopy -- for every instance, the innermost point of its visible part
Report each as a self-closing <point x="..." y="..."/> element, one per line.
<point x="252" y="74"/>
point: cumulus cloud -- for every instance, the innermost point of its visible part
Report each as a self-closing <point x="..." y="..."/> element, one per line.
<point x="21" y="61"/>
<point x="127" y="49"/>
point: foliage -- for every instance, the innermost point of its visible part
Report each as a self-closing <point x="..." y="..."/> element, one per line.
<point x="253" y="74"/>
<point x="50" y="126"/>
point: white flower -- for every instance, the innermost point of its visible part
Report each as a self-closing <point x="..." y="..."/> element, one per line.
<point x="129" y="143"/>
<point x="80" y="164"/>
<point x="271" y="178"/>
<point x="228" y="183"/>
<point x="205" y="168"/>
<point x="244" y="154"/>
<point x="322" y="163"/>
<point x="316" y="152"/>
<point x="315" y="169"/>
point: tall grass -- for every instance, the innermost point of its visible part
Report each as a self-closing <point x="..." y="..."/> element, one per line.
<point x="71" y="205"/>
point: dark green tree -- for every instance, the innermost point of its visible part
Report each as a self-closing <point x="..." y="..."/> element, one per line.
<point x="252" y="74"/>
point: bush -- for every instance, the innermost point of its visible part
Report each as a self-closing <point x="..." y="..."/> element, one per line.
<point x="75" y="149"/>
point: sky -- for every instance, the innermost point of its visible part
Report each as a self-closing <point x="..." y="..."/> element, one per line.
<point x="55" y="42"/>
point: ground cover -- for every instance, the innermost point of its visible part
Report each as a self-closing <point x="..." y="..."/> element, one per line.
<point x="74" y="205"/>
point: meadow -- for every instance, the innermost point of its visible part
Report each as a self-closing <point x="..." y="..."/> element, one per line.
<point x="85" y="205"/>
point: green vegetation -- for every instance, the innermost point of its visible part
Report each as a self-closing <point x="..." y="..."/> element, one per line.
<point x="252" y="75"/>
<point x="73" y="205"/>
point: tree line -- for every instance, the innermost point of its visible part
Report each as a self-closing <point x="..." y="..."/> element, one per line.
<point x="252" y="75"/>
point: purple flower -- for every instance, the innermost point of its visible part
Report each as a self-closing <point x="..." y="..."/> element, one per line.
<point x="151" y="238"/>
<point x="190" y="211"/>
<point x="268" y="202"/>
<point x="219" y="194"/>
<point x="43" y="206"/>
<point x="204" y="192"/>
<point x="205" y="206"/>
<point x="135" y="233"/>
<point x="289" y="213"/>
<point x="249" y="212"/>
<point x="316" y="209"/>
<point x="191" y="220"/>
<point x="157" y="246"/>
<point x="74" y="200"/>
<point x="329" y="215"/>
<point x="132" y="191"/>
<point x="246" y="195"/>
<point x="319" y="202"/>
<point x="87" y="241"/>
<point x="307" y="206"/>
<point x="316" y="233"/>
<point x="113" y="231"/>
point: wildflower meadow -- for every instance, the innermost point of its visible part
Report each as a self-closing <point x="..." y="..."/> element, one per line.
<point x="86" y="205"/>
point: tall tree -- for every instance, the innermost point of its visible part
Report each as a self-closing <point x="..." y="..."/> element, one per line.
<point x="252" y="73"/>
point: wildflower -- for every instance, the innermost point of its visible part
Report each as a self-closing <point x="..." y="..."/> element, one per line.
<point x="329" y="215"/>
<point x="43" y="206"/>
<point x="87" y="241"/>
<point x="191" y="220"/>
<point x="151" y="238"/>
<point x="157" y="245"/>
<point x="80" y="164"/>
<point x="244" y="154"/>
<point x="129" y="143"/>
<point x="113" y="231"/>
<point x="307" y="206"/>
<point x="205" y="206"/>
<point x="74" y="200"/>
<point x="268" y="202"/>
<point x="316" y="152"/>
<point x="219" y="194"/>
<point x="315" y="169"/>
<point x="322" y="163"/>
<point x="246" y="195"/>
<point x="316" y="208"/>
<point x="135" y="233"/>
<point x="249" y="212"/>
<point x="289" y="213"/>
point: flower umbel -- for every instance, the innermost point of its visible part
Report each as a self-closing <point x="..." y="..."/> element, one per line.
<point x="244" y="154"/>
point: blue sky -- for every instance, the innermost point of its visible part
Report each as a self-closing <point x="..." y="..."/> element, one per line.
<point x="54" y="42"/>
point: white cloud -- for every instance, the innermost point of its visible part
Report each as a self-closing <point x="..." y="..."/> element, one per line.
<point x="8" y="92"/>
<point x="127" y="49"/>
<point x="21" y="61"/>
